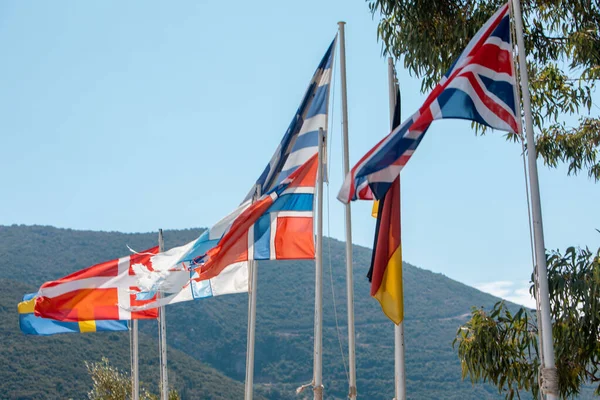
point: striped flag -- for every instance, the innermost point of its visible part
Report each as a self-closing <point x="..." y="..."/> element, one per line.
<point x="385" y="273"/>
<point x="480" y="86"/>
<point x="301" y="139"/>
<point x="223" y="268"/>
<point x="32" y="325"/>
<point x="278" y="208"/>
<point x="395" y="122"/>
<point x="96" y="292"/>
<point x="283" y="231"/>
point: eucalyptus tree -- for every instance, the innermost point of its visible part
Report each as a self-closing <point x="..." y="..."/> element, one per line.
<point x="562" y="40"/>
<point x="500" y="346"/>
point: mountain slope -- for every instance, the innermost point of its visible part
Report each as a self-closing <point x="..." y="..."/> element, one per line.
<point x="213" y="331"/>
<point x="37" y="367"/>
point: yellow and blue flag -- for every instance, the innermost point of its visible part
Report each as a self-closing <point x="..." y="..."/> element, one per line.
<point x="32" y="325"/>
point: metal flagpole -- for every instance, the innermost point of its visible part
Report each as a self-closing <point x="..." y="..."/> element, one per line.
<point x="135" y="372"/>
<point x="399" y="364"/>
<point x="253" y="271"/>
<point x="162" y="334"/>
<point x="318" y="354"/>
<point x="349" y="273"/>
<point x="549" y="378"/>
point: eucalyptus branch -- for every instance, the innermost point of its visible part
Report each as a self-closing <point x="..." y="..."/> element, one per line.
<point x="429" y="34"/>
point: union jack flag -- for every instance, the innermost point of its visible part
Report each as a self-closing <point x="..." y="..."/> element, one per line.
<point x="480" y="86"/>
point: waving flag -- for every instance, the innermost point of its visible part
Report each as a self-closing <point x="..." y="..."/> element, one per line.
<point x="95" y="293"/>
<point x="32" y="325"/>
<point x="283" y="231"/>
<point x="278" y="209"/>
<point x="385" y="273"/>
<point x="267" y="225"/>
<point x="480" y="87"/>
<point x="301" y="139"/>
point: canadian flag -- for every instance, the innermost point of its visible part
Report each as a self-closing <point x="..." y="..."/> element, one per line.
<point x="101" y="292"/>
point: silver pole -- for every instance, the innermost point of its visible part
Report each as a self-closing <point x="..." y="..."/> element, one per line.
<point x="399" y="363"/>
<point x="253" y="271"/>
<point x="538" y="231"/>
<point x="318" y="355"/>
<point x="349" y="273"/>
<point x="135" y="372"/>
<point x="162" y="334"/>
<point x="400" y="372"/>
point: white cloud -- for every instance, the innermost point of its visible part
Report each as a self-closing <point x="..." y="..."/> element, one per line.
<point x="516" y="292"/>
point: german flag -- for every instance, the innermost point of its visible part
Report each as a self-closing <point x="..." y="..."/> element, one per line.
<point x="385" y="273"/>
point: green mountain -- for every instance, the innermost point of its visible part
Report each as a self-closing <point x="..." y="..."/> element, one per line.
<point x="51" y="367"/>
<point x="210" y="335"/>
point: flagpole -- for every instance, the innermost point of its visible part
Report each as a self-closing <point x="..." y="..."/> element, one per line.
<point x="349" y="269"/>
<point x="399" y="359"/>
<point x="162" y="334"/>
<point x="399" y="366"/>
<point x="549" y="376"/>
<point x="318" y="345"/>
<point x="253" y="271"/>
<point x="135" y="372"/>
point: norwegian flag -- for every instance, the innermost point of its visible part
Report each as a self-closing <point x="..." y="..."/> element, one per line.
<point x="259" y="230"/>
<point x="278" y="209"/>
<point x="480" y="87"/>
<point x="95" y="293"/>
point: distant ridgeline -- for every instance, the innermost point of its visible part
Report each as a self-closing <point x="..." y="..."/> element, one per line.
<point x="207" y="338"/>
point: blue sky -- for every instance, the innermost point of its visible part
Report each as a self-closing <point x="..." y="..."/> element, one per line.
<point x="130" y="116"/>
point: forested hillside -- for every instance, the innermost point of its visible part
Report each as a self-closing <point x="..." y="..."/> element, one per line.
<point x="210" y="335"/>
<point x="52" y="367"/>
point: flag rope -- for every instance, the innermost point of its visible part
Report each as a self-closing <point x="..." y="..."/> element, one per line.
<point x="337" y="326"/>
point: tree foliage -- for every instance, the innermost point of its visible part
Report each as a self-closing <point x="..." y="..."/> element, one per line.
<point x="501" y="347"/>
<point x="111" y="384"/>
<point x="562" y="40"/>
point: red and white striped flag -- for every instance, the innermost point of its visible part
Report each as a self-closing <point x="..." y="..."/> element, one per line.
<point x="99" y="292"/>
